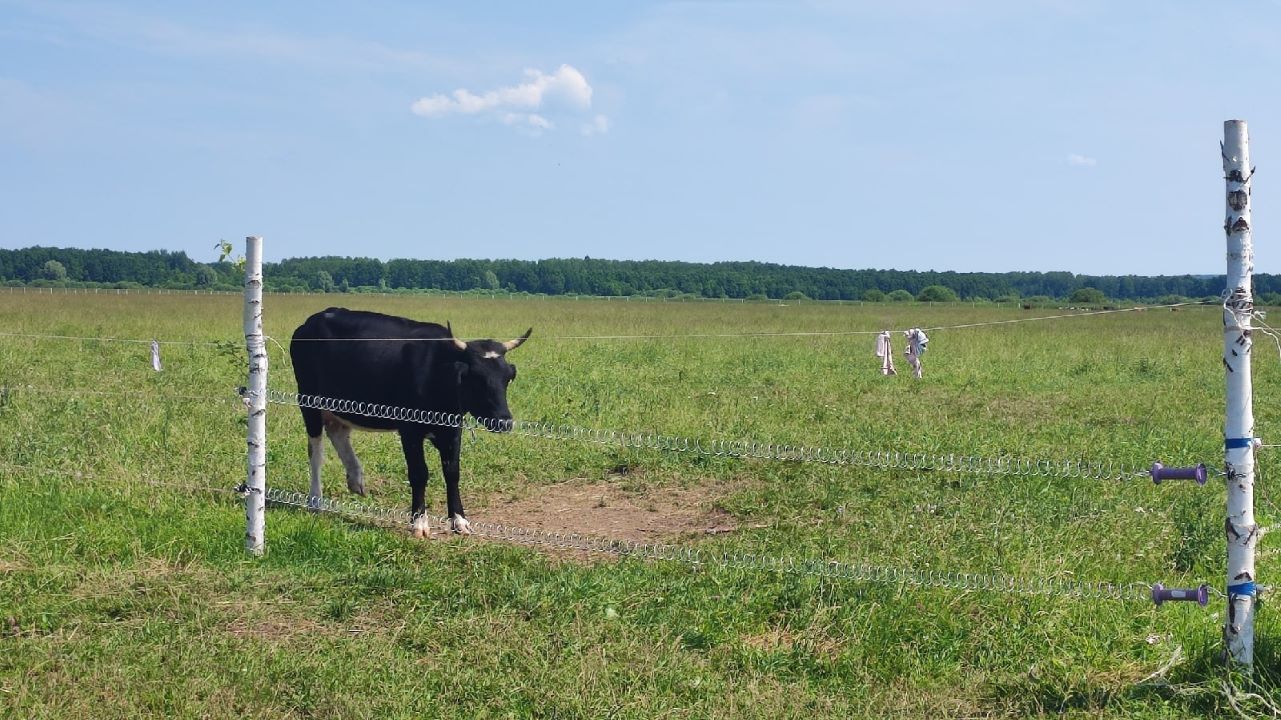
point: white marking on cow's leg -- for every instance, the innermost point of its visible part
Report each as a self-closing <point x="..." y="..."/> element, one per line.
<point x="316" y="456"/>
<point x="340" y="435"/>
<point x="420" y="527"/>
<point x="460" y="525"/>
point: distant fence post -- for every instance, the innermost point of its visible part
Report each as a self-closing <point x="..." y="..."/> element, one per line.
<point x="256" y="485"/>
<point x="1238" y="430"/>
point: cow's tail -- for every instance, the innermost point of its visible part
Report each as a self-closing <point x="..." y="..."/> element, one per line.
<point x="302" y="357"/>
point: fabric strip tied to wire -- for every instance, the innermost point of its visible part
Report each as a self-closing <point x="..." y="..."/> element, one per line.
<point x="885" y="353"/>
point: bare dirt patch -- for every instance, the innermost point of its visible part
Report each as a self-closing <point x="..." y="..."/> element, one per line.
<point x="610" y="511"/>
<point x="779" y="640"/>
<point x="272" y="629"/>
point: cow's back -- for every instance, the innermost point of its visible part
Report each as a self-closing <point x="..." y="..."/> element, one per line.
<point x="367" y="356"/>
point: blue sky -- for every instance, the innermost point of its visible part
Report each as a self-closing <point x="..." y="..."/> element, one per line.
<point x="915" y="135"/>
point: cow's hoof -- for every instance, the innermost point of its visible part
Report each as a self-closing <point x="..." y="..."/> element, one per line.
<point x="356" y="486"/>
<point x="420" y="528"/>
<point x="460" y="525"/>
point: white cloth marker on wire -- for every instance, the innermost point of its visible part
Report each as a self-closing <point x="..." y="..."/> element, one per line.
<point x="917" y="344"/>
<point x="884" y="352"/>
<point x="155" y="356"/>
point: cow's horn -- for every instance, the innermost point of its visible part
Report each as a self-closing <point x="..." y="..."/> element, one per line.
<point x="513" y="344"/>
<point x="457" y="343"/>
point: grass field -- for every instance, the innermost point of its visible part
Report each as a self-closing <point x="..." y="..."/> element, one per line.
<point x="125" y="590"/>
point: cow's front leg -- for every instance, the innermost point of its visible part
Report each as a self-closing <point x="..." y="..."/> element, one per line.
<point x="450" y="443"/>
<point x="416" y="468"/>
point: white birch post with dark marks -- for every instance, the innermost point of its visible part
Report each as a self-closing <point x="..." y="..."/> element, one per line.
<point x="256" y="400"/>
<point x="1238" y="431"/>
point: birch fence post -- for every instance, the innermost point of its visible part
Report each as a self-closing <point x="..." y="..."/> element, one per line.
<point x="256" y="399"/>
<point x="1238" y="431"/>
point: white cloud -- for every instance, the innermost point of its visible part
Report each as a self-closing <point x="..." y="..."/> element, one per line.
<point x="599" y="125"/>
<point x="566" y="84"/>
<point x="1081" y="161"/>
<point x="566" y="89"/>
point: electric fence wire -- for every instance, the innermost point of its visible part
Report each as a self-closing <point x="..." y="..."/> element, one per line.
<point x="671" y="336"/>
<point x="699" y="557"/>
<point x="739" y="449"/>
<point x="855" y="571"/>
<point x="1262" y="490"/>
<point x="7" y="392"/>
<point x="745" y="450"/>
<point x="788" y="334"/>
<point x="147" y="341"/>
<point x="736" y="449"/>
<point x="136" y="478"/>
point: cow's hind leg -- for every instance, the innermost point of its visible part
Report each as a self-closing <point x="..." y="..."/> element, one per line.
<point x="339" y="434"/>
<point x="315" y="453"/>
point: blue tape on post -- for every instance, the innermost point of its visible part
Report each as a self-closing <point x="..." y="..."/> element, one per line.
<point x="1238" y="443"/>
<point x="1245" y="588"/>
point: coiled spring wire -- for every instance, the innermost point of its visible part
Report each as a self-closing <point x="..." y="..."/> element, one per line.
<point x="855" y="571"/>
<point x="742" y="449"/>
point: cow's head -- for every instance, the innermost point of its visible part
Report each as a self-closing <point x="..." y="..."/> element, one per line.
<point x="483" y="376"/>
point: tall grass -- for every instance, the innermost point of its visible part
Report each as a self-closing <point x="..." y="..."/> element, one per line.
<point x="122" y="597"/>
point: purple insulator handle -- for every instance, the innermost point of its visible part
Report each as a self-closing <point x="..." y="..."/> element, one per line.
<point x="1200" y="595"/>
<point x="1161" y="472"/>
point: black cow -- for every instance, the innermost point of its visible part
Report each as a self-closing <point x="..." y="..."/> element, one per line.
<point x="380" y="359"/>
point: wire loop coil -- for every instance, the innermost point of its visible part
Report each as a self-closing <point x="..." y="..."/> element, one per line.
<point x="862" y="572"/>
<point x="743" y="449"/>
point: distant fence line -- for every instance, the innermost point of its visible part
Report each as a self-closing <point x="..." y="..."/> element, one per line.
<point x="1076" y="313"/>
<point x="37" y="290"/>
<point x="430" y="292"/>
<point x="416" y="292"/>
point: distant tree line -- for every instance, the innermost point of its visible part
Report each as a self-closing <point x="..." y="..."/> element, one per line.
<point x="588" y="276"/>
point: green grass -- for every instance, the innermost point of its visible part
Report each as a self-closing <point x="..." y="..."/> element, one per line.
<point x="121" y="598"/>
